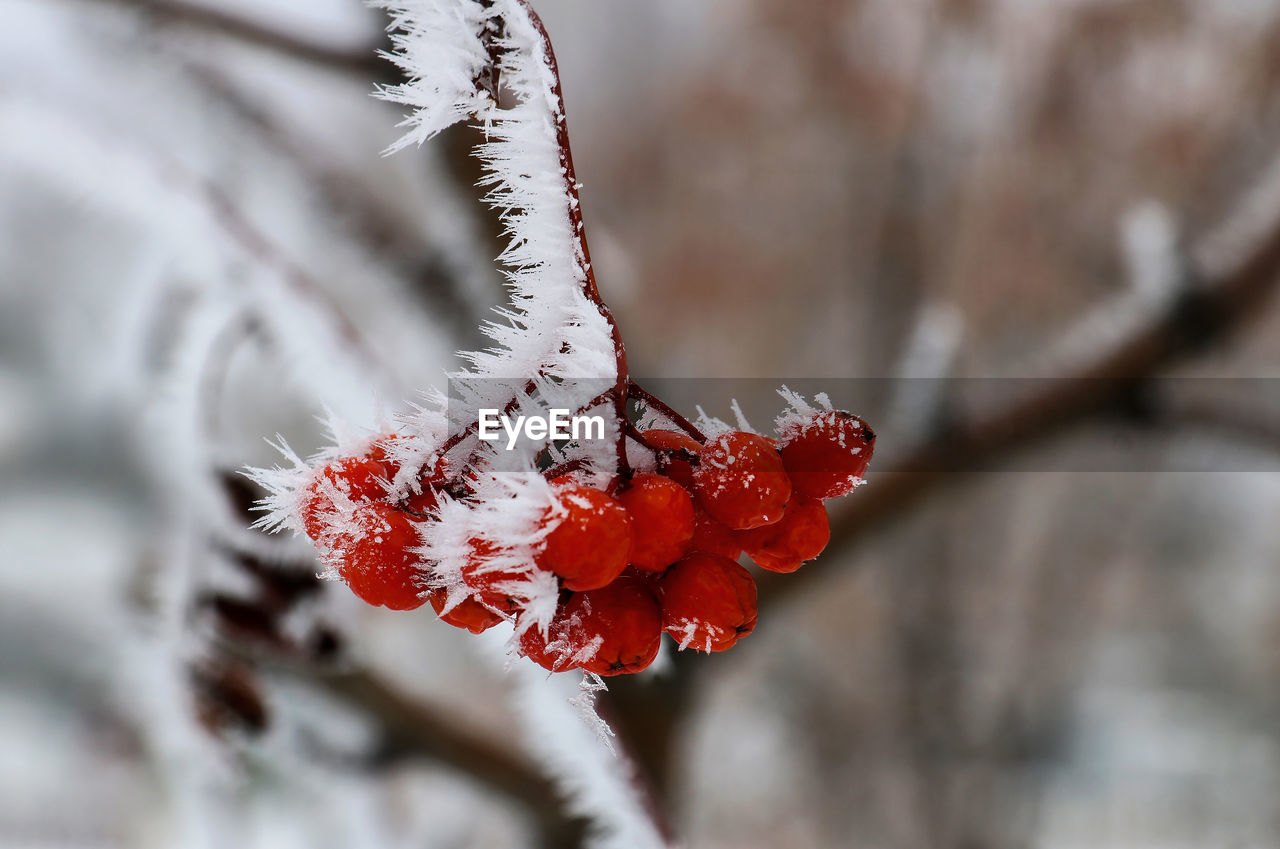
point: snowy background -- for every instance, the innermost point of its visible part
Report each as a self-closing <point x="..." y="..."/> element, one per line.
<point x="202" y="245"/>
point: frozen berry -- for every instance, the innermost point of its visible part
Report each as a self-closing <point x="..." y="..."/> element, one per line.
<point x="783" y="546"/>
<point x="827" y="455"/>
<point x="675" y="450"/>
<point x="708" y="602"/>
<point x="613" y="630"/>
<point x="468" y="613"/>
<point x="356" y="480"/>
<point x="374" y="556"/>
<point x="590" y="542"/>
<point x="713" y="536"/>
<point x="661" y="512"/>
<point x="741" y="481"/>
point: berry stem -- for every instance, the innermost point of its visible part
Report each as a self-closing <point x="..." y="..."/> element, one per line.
<point x="583" y="252"/>
<point x="639" y="393"/>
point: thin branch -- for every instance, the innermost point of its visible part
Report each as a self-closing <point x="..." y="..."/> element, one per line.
<point x="412" y="729"/>
<point x="364" y="62"/>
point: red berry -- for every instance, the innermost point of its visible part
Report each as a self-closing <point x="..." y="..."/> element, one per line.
<point x="713" y="536"/>
<point x="741" y="481"/>
<point x="468" y="613"/>
<point x="375" y="557"/>
<point x="661" y="513"/>
<point x="827" y="455"/>
<point x="708" y="602"/>
<point x="590" y="544"/>
<point x="617" y="629"/>
<point x="670" y="463"/>
<point x="785" y="545"/>
<point x="360" y="479"/>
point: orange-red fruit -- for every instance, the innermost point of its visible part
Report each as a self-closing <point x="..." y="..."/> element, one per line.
<point x="783" y="546"/>
<point x="590" y="544"/>
<point x="375" y="558"/>
<point x="661" y="512"/>
<point x="713" y="536"/>
<point x="827" y="456"/>
<point x="741" y="481"/>
<point x="708" y="602"/>
<point x="622" y="621"/>
<point x="677" y="468"/>
<point x="360" y="479"/>
<point x="468" y="613"/>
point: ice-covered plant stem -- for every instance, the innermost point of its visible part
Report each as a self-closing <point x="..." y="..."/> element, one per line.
<point x="593" y="547"/>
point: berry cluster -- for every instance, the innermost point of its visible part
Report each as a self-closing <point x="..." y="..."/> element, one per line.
<point x="651" y="551"/>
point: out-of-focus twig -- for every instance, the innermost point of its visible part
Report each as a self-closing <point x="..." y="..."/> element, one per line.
<point x="411" y="728"/>
<point x="362" y="61"/>
<point x="1227" y="278"/>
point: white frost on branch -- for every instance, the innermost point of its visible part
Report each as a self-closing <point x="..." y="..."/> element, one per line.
<point x="551" y="327"/>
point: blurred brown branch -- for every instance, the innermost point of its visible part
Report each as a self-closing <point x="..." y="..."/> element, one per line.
<point x="411" y="728"/>
<point x="362" y="61"/>
<point x="1217" y="296"/>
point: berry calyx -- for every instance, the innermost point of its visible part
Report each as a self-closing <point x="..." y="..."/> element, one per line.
<point x="590" y="543"/>
<point x="801" y="535"/>
<point x="614" y="630"/>
<point x="827" y="455"/>
<point x="661" y="512"/>
<point x="674" y="452"/>
<point x="374" y="557"/>
<point x="708" y="602"/>
<point x="741" y="481"/>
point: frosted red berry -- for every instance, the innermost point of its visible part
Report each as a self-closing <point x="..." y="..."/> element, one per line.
<point x="661" y="512"/>
<point x="374" y="556"/>
<point x="614" y="630"/>
<point x="469" y="613"/>
<point x="356" y="479"/>
<point x="670" y="445"/>
<point x="801" y="535"/>
<point x="589" y="544"/>
<point x="740" y="480"/>
<point x="827" y="455"/>
<point x="708" y="602"/>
